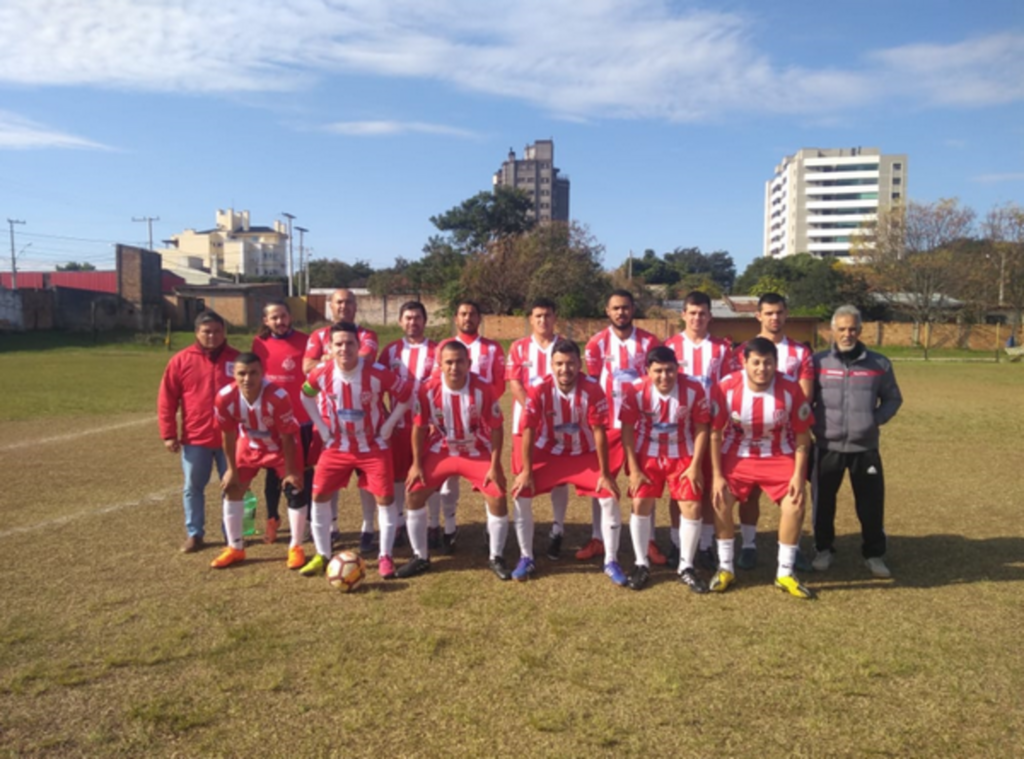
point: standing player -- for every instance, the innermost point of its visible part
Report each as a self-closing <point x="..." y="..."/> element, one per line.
<point x="466" y="437"/>
<point x="412" y="358"/>
<point x="345" y="399"/>
<point x="259" y="432"/>
<point x="565" y="443"/>
<point x="616" y="356"/>
<point x="318" y="348"/>
<point x="707" y="359"/>
<point x="794" y="365"/>
<point x="529" y="362"/>
<point x="280" y="349"/>
<point x="665" y="418"/>
<point x="487" y="361"/>
<point x="760" y="438"/>
<point x="190" y="383"/>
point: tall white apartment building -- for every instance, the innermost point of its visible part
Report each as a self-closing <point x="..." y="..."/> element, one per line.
<point x="820" y="197"/>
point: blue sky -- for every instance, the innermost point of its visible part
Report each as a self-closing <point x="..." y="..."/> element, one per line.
<point x="365" y="118"/>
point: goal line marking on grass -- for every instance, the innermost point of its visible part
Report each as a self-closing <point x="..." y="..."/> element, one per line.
<point x="145" y="500"/>
<point x="73" y="435"/>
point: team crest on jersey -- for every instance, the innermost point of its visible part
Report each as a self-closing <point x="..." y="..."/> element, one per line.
<point x="779" y="417"/>
<point x="288" y="364"/>
<point x="804" y="412"/>
<point x="681" y="413"/>
<point x="474" y="412"/>
<point x="736" y="417"/>
<point x="365" y="397"/>
<point x="791" y="364"/>
<point x="229" y="368"/>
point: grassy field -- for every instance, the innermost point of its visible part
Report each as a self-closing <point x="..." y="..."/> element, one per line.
<point x="114" y="644"/>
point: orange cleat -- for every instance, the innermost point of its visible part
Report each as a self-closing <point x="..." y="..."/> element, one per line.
<point x="228" y="557"/>
<point x="296" y="558"/>
<point x="593" y="548"/>
<point x="655" y="555"/>
<point x="270" y="535"/>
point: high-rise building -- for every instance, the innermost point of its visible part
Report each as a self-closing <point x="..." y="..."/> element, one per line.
<point x="536" y="175"/>
<point x="819" y="198"/>
<point x="232" y="248"/>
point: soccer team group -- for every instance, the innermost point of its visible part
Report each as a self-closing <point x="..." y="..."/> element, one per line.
<point x="712" y="424"/>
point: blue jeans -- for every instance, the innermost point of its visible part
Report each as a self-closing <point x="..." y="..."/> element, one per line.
<point x="197" y="464"/>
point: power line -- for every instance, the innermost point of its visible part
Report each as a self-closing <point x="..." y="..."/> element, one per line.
<point x="148" y="221"/>
<point x="14" y="258"/>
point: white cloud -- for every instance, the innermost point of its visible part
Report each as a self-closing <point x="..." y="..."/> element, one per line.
<point x="385" y="128"/>
<point x="996" y="178"/>
<point x="19" y="133"/>
<point x="598" y="59"/>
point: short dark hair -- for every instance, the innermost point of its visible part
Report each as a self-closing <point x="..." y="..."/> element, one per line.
<point x="457" y="345"/>
<point x="344" y="327"/>
<point x="544" y="303"/>
<point x="771" y="299"/>
<point x="762" y="346"/>
<point x="412" y="305"/>
<point x="661" y="355"/>
<point x="248" y="358"/>
<point x="276" y="302"/>
<point x="621" y="293"/>
<point x="567" y="347"/>
<point x="468" y="302"/>
<point x="697" y="298"/>
<point x="205" y="317"/>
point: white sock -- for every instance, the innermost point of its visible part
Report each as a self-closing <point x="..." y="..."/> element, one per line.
<point x="559" y="508"/>
<point x="749" y="533"/>
<point x="726" y="549"/>
<point x="449" y="502"/>
<point x="234" y="511"/>
<point x="416" y="523"/>
<point x="523" y="516"/>
<point x="595" y="519"/>
<point x="321" y="523"/>
<point x="673" y="534"/>
<point x="640" y="532"/>
<point x="399" y="504"/>
<point x="434" y="509"/>
<point x="707" y="536"/>
<point x="611" y="528"/>
<point x="497" y="534"/>
<point x="689" y="533"/>
<point x="369" y="504"/>
<point x="787" y="558"/>
<point x="388" y="518"/>
<point x="297" y="526"/>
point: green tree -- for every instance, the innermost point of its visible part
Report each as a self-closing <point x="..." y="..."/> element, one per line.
<point x="486" y="216"/>
<point x="325" y="272"/>
<point x="76" y="266"/>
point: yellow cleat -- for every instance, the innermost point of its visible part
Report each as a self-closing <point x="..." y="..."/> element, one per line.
<point x="722" y="581"/>
<point x="296" y="558"/>
<point x="228" y="557"/>
<point x="315" y="566"/>
<point x="793" y="586"/>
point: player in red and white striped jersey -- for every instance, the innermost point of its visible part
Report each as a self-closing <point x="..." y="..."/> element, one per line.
<point x="665" y="418"/>
<point x="259" y="431"/>
<point x="565" y="443"/>
<point x="487" y="361"/>
<point x="466" y="435"/>
<point x="794" y="365"/>
<point x="760" y="438"/>
<point x="343" y="307"/>
<point x="707" y="359"/>
<point x="345" y="400"/>
<point x="412" y="357"/>
<point x="616" y="356"/>
<point x="529" y="362"/>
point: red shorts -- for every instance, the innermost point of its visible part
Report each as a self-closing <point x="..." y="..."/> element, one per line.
<point x="771" y="473"/>
<point x="250" y="462"/>
<point x="551" y="471"/>
<point x="400" y="445"/>
<point x="616" y="453"/>
<point x="334" y="469"/>
<point x="438" y="467"/>
<point x="661" y="470"/>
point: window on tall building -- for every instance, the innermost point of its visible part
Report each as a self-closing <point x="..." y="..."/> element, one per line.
<point x="897" y="166"/>
<point x="897" y="180"/>
<point x="545" y="205"/>
<point x="895" y="196"/>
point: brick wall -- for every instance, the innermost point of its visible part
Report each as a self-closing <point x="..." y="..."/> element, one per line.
<point x="978" y="337"/>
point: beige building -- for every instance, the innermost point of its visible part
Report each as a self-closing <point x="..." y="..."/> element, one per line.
<point x="232" y="248"/>
<point x="536" y="175"/>
<point x="819" y="198"/>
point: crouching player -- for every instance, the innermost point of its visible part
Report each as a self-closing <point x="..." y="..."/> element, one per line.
<point x="665" y="418"/>
<point x="345" y="400"/>
<point x="565" y="443"/>
<point x="466" y="438"/>
<point x="760" y="438"/>
<point x="262" y="413"/>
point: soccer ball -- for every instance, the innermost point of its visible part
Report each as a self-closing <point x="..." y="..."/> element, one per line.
<point x="346" y="571"/>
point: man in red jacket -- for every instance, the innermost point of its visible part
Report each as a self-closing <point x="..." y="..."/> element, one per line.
<point x="191" y="382"/>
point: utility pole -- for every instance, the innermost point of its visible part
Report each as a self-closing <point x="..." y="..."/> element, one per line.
<point x="148" y="221"/>
<point x="291" y="250"/>
<point x="14" y="257"/>
<point x="630" y="264"/>
<point x="302" y="255"/>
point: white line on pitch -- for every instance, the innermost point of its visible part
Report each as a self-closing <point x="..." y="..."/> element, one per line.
<point x="73" y="435"/>
<point x="146" y="500"/>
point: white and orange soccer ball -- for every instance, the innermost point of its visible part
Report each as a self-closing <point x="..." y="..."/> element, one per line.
<point x="346" y="571"/>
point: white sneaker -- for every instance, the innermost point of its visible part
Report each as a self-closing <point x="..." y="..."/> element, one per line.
<point x="823" y="560"/>
<point x="878" y="568"/>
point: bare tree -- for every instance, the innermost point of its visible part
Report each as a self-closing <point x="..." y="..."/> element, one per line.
<point x="1004" y="227"/>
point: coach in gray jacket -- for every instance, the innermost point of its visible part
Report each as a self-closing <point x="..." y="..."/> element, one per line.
<point x="855" y="393"/>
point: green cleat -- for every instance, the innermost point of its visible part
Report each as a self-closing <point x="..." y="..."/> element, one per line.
<point x="315" y="566"/>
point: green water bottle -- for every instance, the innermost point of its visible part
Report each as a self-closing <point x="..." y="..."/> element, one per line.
<point x="249" y="515"/>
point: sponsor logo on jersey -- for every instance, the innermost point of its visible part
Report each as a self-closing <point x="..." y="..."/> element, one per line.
<point x="288" y="364"/>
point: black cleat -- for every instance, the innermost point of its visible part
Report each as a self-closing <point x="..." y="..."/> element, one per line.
<point x="448" y="542"/>
<point x="498" y="566"/>
<point x="415" y="566"/>
<point x="691" y="579"/>
<point x="555" y="547"/>
<point x="639" y="577"/>
<point x="673" y="556"/>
